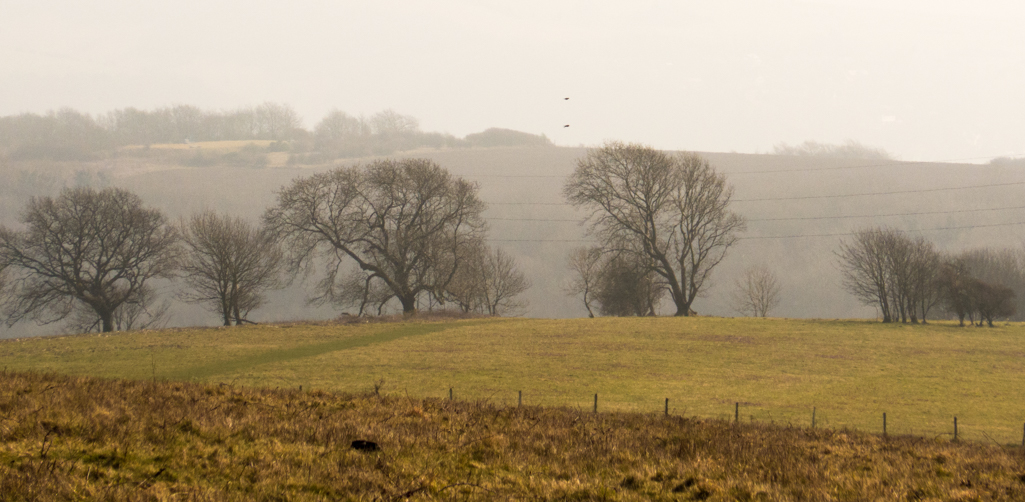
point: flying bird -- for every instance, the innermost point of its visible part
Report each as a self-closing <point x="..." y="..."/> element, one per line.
<point x="567" y="99"/>
<point x="567" y="125"/>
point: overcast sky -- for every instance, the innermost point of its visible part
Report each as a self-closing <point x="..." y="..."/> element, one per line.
<point x="924" y="79"/>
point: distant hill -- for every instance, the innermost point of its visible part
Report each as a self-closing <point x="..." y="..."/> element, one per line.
<point x="506" y="137"/>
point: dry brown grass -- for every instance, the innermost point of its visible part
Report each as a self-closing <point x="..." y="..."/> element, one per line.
<point x="70" y="438"/>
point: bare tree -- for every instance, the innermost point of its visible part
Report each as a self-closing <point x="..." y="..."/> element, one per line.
<point x="228" y="264"/>
<point x="673" y="209"/>
<point x="88" y="247"/>
<point x="488" y="283"/>
<point x="976" y="284"/>
<point x="356" y="288"/>
<point x="757" y="292"/>
<point x="924" y="276"/>
<point x="340" y="134"/>
<point x="586" y="264"/>
<point x="145" y="311"/>
<point x="628" y="286"/>
<point x="895" y="273"/>
<point x="276" y="121"/>
<point x="849" y="150"/>
<point x="406" y="223"/>
<point x="1000" y="267"/>
<point x="993" y="301"/>
<point x="957" y="288"/>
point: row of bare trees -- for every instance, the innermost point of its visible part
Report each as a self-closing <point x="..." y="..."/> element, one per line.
<point x="405" y="231"/>
<point x="663" y="224"/>
<point x="67" y="134"/>
<point x="92" y="257"/>
<point x="906" y="278"/>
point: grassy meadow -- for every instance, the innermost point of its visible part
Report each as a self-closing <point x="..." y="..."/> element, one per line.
<point x="86" y="438"/>
<point x="779" y="370"/>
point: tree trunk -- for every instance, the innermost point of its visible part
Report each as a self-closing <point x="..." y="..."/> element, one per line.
<point x="107" y="320"/>
<point x="225" y="310"/>
<point x="682" y="309"/>
<point x="408" y="304"/>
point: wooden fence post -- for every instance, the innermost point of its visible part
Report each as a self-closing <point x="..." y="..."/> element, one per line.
<point x="955" y="428"/>
<point x="596" y="403"/>
<point x="812" y="417"/>
<point x="519" y="402"/>
<point x="667" y="406"/>
<point x="884" y="423"/>
<point x="736" y="413"/>
<point x="450" y="393"/>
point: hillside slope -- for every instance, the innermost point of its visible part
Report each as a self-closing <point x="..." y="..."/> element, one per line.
<point x="792" y="227"/>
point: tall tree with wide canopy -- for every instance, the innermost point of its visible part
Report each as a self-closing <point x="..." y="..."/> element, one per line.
<point x="408" y="224"/>
<point x="674" y="209"/>
<point x="84" y="248"/>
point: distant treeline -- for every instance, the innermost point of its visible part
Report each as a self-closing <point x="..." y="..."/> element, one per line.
<point x="68" y="134"/>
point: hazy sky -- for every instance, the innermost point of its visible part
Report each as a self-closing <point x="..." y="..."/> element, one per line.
<point x="927" y="80"/>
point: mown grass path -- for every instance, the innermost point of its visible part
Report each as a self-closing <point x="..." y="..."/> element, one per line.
<point x="287" y="355"/>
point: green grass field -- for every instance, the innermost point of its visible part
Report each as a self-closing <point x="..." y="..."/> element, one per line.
<point x="851" y="372"/>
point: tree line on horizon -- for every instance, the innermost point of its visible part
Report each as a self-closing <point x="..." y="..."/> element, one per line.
<point x="70" y="135"/>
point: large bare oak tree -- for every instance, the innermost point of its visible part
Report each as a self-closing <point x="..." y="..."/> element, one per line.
<point x="408" y="224"/>
<point x="672" y="208"/>
<point x="88" y="248"/>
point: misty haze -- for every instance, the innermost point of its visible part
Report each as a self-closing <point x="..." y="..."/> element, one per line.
<point x="391" y="239"/>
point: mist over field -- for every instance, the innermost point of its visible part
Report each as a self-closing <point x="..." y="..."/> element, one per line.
<point x="193" y="106"/>
<point x="798" y="209"/>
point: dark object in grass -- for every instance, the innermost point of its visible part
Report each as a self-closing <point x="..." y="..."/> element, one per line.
<point x="363" y="445"/>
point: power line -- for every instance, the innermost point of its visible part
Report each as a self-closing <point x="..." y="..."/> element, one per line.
<point x="807" y="218"/>
<point x="896" y="192"/>
<point x="528" y="203"/>
<point x="578" y="220"/>
<point x="964" y="227"/>
<point x="921" y="213"/>
<point x="889" y="163"/>
<point x="839" y="234"/>
<point x="810" y="197"/>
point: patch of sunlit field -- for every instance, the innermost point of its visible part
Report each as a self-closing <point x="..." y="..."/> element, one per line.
<point x="220" y="146"/>
<point x="778" y="370"/>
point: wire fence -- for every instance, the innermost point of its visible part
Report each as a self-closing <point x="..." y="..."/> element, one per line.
<point x="882" y="422"/>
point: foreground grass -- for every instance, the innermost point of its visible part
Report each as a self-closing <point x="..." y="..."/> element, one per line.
<point x="76" y="438"/>
<point x="850" y="372"/>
